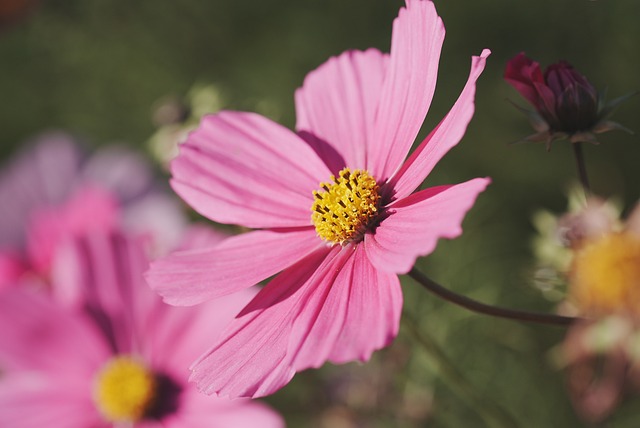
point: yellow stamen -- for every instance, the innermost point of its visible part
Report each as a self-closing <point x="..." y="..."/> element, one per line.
<point x="124" y="390"/>
<point x="344" y="209"/>
<point x="605" y="276"/>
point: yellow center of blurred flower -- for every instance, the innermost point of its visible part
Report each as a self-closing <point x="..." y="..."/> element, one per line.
<point x="124" y="390"/>
<point x="344" y="208"/>
<point x="605" y="276"/>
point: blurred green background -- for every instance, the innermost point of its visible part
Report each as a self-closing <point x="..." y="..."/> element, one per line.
<point x="98" y="68"/>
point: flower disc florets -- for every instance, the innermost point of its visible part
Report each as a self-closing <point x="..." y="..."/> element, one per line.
<point x="125" y="390"/>
<point x="605" y="276"/>
<point x="345" y="207"/>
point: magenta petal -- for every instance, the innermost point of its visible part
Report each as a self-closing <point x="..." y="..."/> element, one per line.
<point x="337" y="106"/>
<point x="546" y="98"/>
<point x="332" y="305"/>
<point x="252" y="360"/>
<point x="201" y="411"/>
<point x="12" y="267"/>
<point x="241" y="168"/>
<point x="446" y="135"/>
<point x="352" y="315"/>
<point x="28" y="400"/>
<point x="190" y="277"/>
<point x="102" y="272"/>
<point x="90" y="209"/>
<point x="418" y="221"/>
<point x="409" y="85"/>
<point x="31" y="322"/>
<point x="522" y="73"/>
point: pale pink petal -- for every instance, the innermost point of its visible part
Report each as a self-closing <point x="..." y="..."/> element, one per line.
<point x="409" y="85"/>
<point x="251" y="359"/>
<point x="160" y="218"/>
<point x="241" y="168"/>
<point x="183" y="331"/>
<point x="335" y="107"/>
<point x="353" y="313"/>
<point x="201" y="411"/>
<point x="190" y="277"/>
<point x="201" y="236"/>
<point x="125" y="173"/>
<point x="32" y="401"/>
<point x="417" y="222"/>
<point x="446" y="135"/>
<point x="37" y="334"/>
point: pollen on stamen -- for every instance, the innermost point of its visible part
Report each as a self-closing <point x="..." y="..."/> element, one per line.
<point x="346" y="206"/>
<point x="124" y="390"/>
<point x="605" y="275"/>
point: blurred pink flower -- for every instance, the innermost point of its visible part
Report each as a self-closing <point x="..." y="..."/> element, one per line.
<point x="119" y="362"/>
<point x="601" y="365"/>
<point x="56" y="193"/>
<point x="337" y="296"/>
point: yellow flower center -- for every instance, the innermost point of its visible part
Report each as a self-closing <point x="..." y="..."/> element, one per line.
<point x="343" y="209"/>
<point x="124" y="390"/>
<point x="605" y="275"/>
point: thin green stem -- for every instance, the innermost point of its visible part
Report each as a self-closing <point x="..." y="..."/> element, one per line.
<point x="582" y="168"/>
<point x="483" y="308"/>
<point x="491" y="413"/>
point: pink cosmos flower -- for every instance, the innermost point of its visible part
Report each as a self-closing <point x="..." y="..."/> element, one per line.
<point x="333" y="204"/>
<point x="121" y="361"/>
<point x="57" y="193"/>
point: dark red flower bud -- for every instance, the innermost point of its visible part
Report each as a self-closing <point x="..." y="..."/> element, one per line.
<point x="13" y="11"/>
<point x="576" y="100"/>
<point x="566" y="104"/>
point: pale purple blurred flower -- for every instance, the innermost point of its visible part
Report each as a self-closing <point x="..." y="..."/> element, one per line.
<point x="51" y="191"/>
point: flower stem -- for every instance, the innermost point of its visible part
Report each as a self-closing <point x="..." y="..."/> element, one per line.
<point x="483" y="308"/>
<point x="582" y="169"/>
<point x="492" y="413"/>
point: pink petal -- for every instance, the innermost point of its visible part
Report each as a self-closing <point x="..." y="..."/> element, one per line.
<point x="416" y="42"/>
<point x="190" y="277"/>
<point x="337" y="105"/>
<point x="37" y="334"/>
<point x="201" y="236"/>
<point x="446" y="135"/>
<point x="201" y="411"/>
<point x="418" y="221"/>
<point x="546" y="98"/>
<point x="522" y="73"/>
<point x="180" y="335"/>
<point x="251" y="360"/>
<point x="329" y="306"/>
<point x="90" y="209"/>
<point x="12" y="268"/>
<point x="102" y="273"/>
<point x="353" y="315"/>
<point x="241" y="168"/>
<point x="32" y="401"/>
